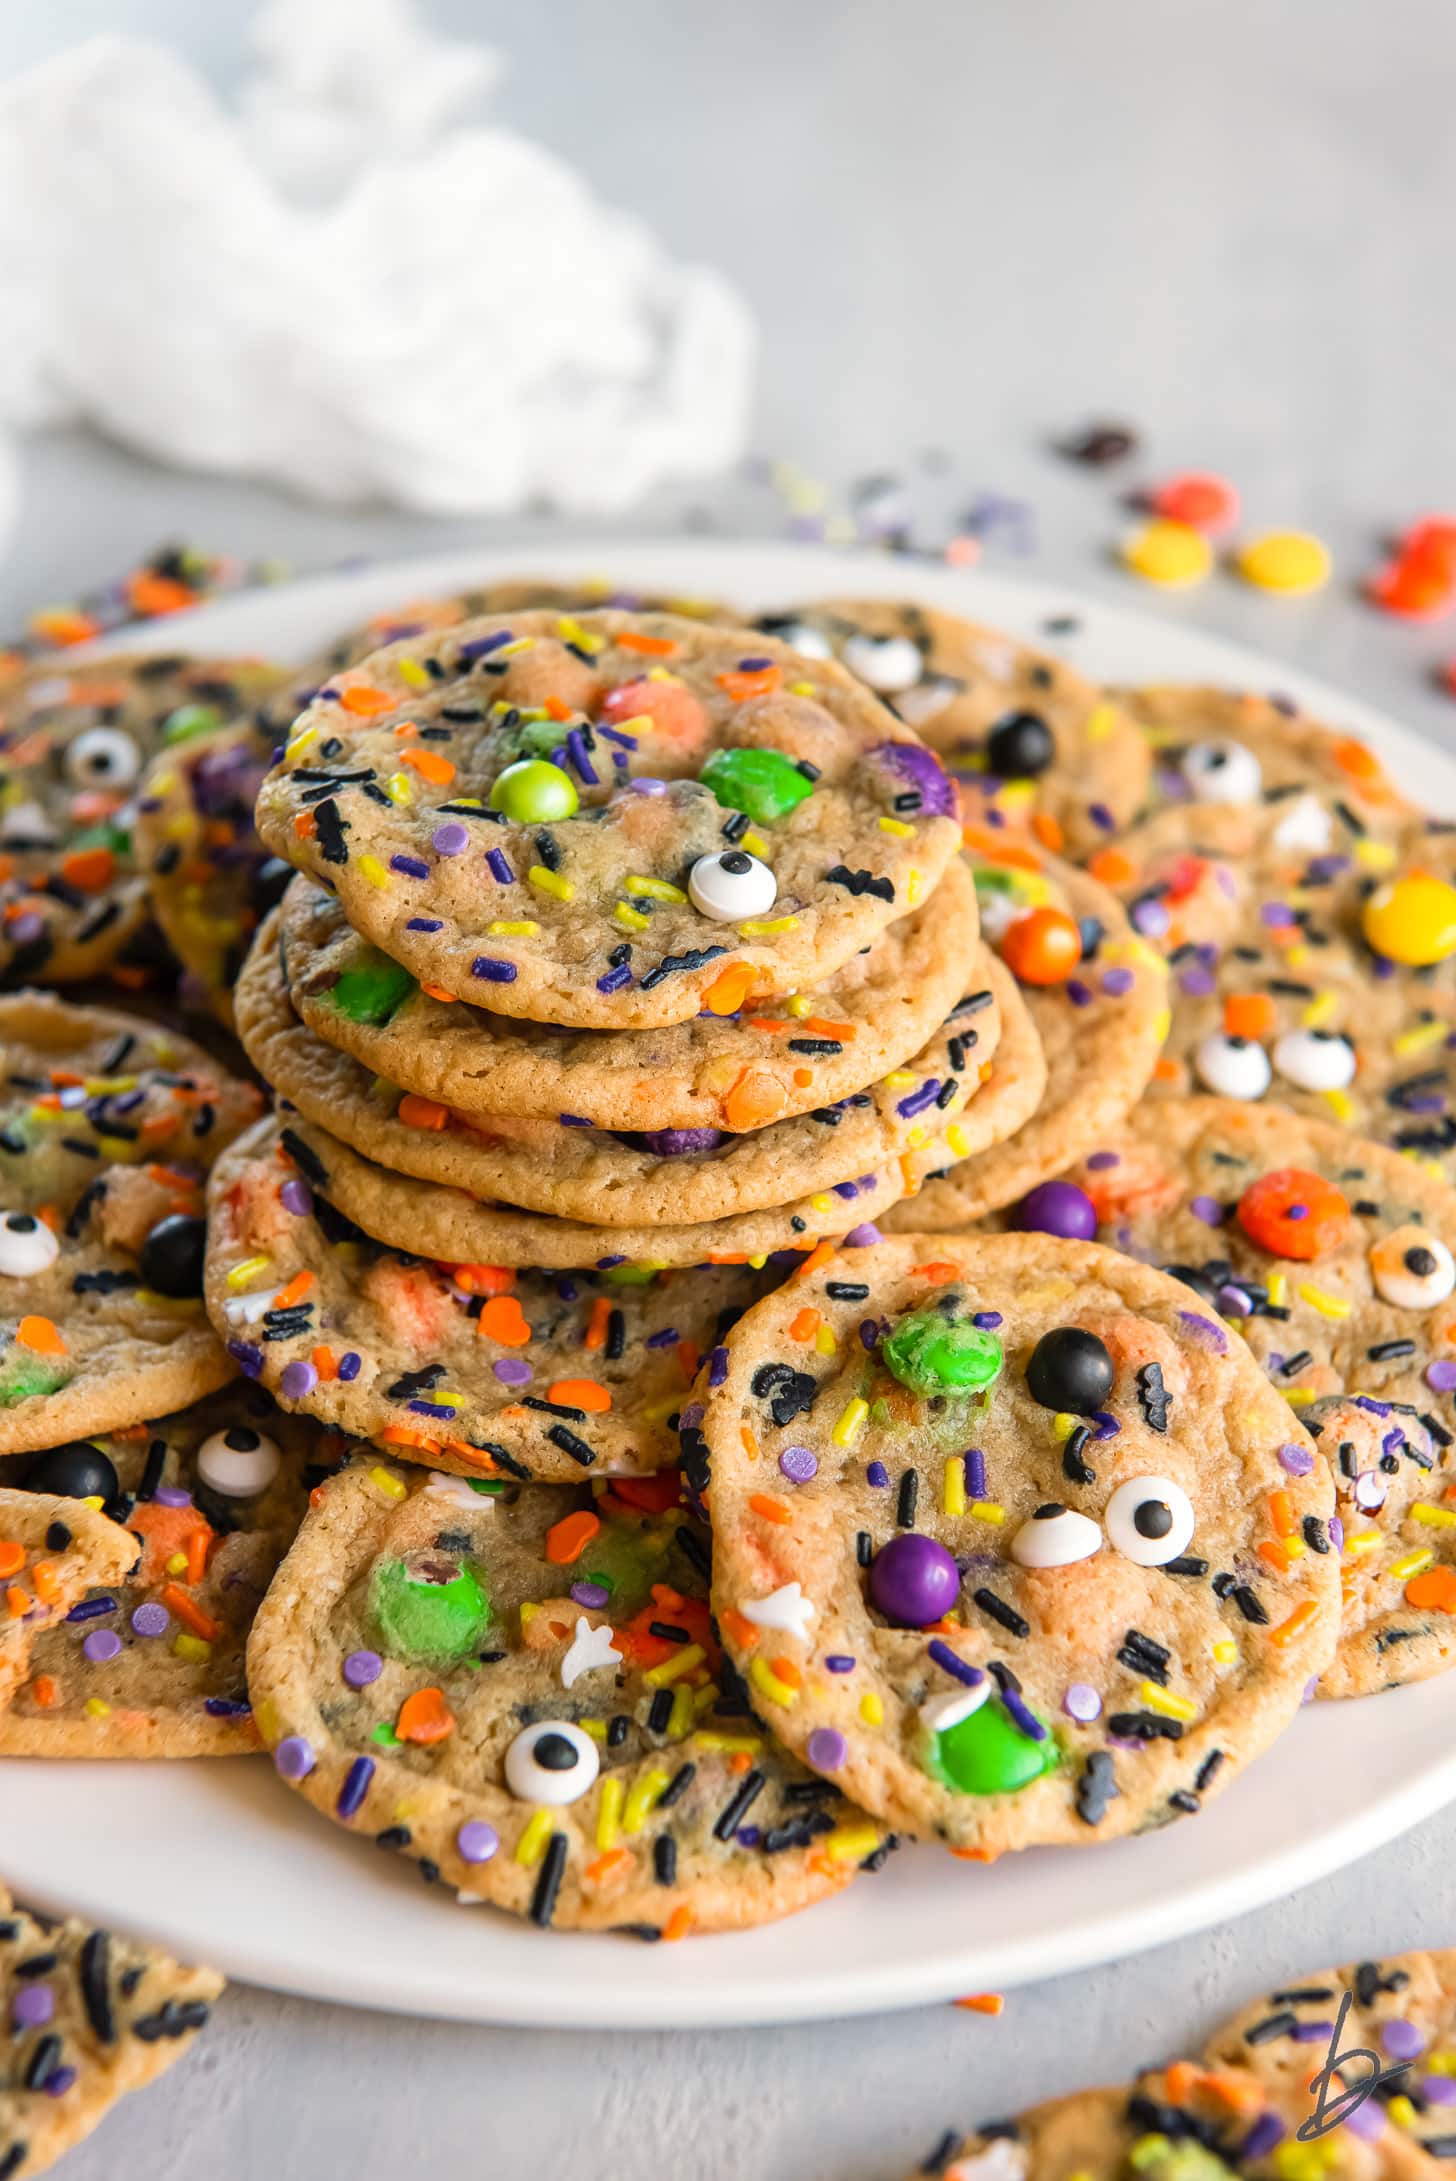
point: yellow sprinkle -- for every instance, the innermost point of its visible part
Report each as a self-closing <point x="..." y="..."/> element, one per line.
<point x="398" y="789"/>
<point x="1320" y="1011"/>
<point x="1299" y="1397"/>
<point x="958" y="1140"/>
<point x="822" y="1203"/>
<point x="1341" y="1105"/>
<point x="1224" y="1652"/>
<point x="680" y="1718"/>
<point x="1401" y="2110"/>
<point x="1373" y="855"/>
<point x="521" y="927"/>
<point x="1368" y="1541"/>
<point x="903" y="1079"/>
<point x="851" y="1423"/>
<point x="912" y="888"/>
<point x="705" y="1698"/>
<point x="850" y="1843"/>
<point x="1328" y="1306"/>
<point x="412" y="673"/>
<point x="609" y="1811"/>
<point x="732" y="1745"/>
<point x="95" y="1709"/>
<point x="1434" y="1518"/>
<point x="194" y="1648"/>
<point x="629" y="918"/>
<point x="1100" y="722"/>
<point x="550" y="882"/>
<point x="511" y="651"/>
<point x="761" y="927"/>
<point x="246" y="1271"/>
<point x="573" y="633"/>
<point x="1411" y="1563"/>
<point x="1017" y="795"/>
<point x="825" y="1342"/>
<point x="177" y="1564"/>
<point x="988" y="1510"/>
<point x="391" y="1486"/>
<point x="1064" y="1425"/>
<point x="754" y="843"/>
<point x="681" y="1662"/>
<point x="871" y="1710"/>
<point x="643" y="1795"/>
<point x="953" y="1485"/>
<point x="1419" y="1039"/>
<point x="1440" y="2063"/>
<point x="1164" y="1701"/>
<point x="596" y="1728"/>
<point x="532" y="1844"/>
<point x="895" y="825"/>
<point x="300" y="744"/>
<point x="657" y="888"/>
<point x="767" y="1682"/>
<point x="798" y="1004"/>
<point x="803" y="689"/>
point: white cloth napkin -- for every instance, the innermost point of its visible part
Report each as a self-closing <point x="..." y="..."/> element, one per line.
<point x="345" y="287"/>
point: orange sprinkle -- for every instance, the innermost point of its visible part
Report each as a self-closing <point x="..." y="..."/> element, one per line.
<point x="430" y="765"/>
<point x="197" y="1545"/>
<point x="1356" y="759"/>
<point x="1281" y="1513"/>
<point x="654" y="647"/>
<point x="417" y="1112"/>
<point x="1166" y="1071"/>
<point x="787" y="1672"/>
<point x="150" y="594"/>
<point x="1288" y="1629"/>
<point x="18" y="1602"/>
<point x="596" y="1324"/>
<point x="1433" y="1588"/>
<point x="294" y="1291"/>
<point x="326" y="1364"/>
<point x="46" y="1578"/>
<point x="941" y="1269"/>
<point x="555" y="709"/>
<point x="993" y="847"/>
<point x="568" y="1539"/>
<point x="190" y="1613"/>
<point x="438" y="992"/>
<point x="503" y="1320"/>
<point x="40" y="1336"/>
<point x="755" y="682"/>
<point x="606" y="1866"/>
<point x="12" y="1557"/>
<point x="975" y="1855"/>
<point x="580" y="1393"/>
<point x="819" y="1255"/>
<point x="1112" y="866"/>
<point x="772" y="1510"/>
<point x="750" y="1443"/>
<point x="405" y="1435"/>
<point x="46" y="1691"/>
<point x="89" y="868"/>
<point x="740" y="1761"/>
<point x="679" y="1923"/>
<point x="982" y="2003"/>
<point x="729" y="989"/>
<point x="485" y="1279"/>
<point x="1047" y="830"/>
<point x="804" y="1324"/>
<point x="363" y="701"/>
<point x="305" y="825"/>
<point x="739" y="1628"/>
<point x="1248" y="1014"/>
<point x="424" y="1716"/>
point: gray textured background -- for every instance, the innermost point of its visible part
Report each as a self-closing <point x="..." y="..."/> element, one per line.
<point x="964" y="225"/>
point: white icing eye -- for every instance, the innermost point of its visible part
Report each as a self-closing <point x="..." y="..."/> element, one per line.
<point x="888" y="663"/>
<point x="1222" y="772"/>
<point x="730" y="885"/>
<point x="1306" y="825"/>
<point x="554" y="1762"/>
<point x="28" y="822"/>
<point x="26" y="1245"/>
<point x="1054" y="1537"/>
<point x="238" y="1463"/>
<point x="1315" y="1060"/>
<point x="928" y="699"/>
<point x="940" y="1712"/>
<point x="1235" y="1067"/>
<point x="103" y="757"/>
<point x="1412" y="1269"/>
<point x="800" y="636"/>
<point x="1150" y="1520"/>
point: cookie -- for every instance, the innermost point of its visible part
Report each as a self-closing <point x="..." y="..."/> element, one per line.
<point x="51" y="1553"/>
<point x="728" y="830"/>
<point x="766" y="1062"/>
<point x="1009" y="1562"/>
<point x="1213" y="745"/>
<point x="446" y="1223"/>
<point x="1336" y="1261"/>
<point x="520" y="1688"/>
<point x="108" y="1125"/>
<point x="478" y="1369"/>
<point x="73" y="745"/>
<point x="90" y="2017"/>
<point x="1027" y="740"/>
<point x="571" y="1170"/>
<point x="1100" y="1009"/>
<point x="150" y="1663"/>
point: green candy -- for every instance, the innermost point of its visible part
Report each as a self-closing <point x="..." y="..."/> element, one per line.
<point x="27" y="1376"/>
<point x="764" y="783"/>
<point x="189" y="720"/>
<point x="534" y="793"/>
<point x="627" y="1563"/>
<point x="932" y="1354"/>
<point x="538" y="737"/>
<point x="429" y="1607"/>
<point x="987" y="1754"/>
<point x="629" y="1275"/>
<point x="374" y="991"/>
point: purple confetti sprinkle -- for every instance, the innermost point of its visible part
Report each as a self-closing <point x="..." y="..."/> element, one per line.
<point x="298" y="1378"/>
<point x="294" y="1759"/>
<point x="646" y="784"/>
<point x="102" y="1646"/>
<point x="511" y="1371"/>
<point x="592" y="1595"/>
<point x="150" y="1619"/>
<point x="1208" y="1209"/>
<point x="1402" y="2040"/>
<point x="826" y="1749"/>
<point x="362" y="1667"/>
<point x="173" y="1495"/>
<point x="1297" y="1460"/>
<point x="33" y="2007"/>
<point x="476" y="1841"/>
<point x="798" y="1464"/>
<point x="862" y="1236"/>
<point x="1117" y="981"/>
<point x="1441" y="1376"/>
<point x="451" y="839"/>
<point x="1081" y="1701"/>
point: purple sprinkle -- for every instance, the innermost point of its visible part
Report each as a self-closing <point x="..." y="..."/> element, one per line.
<point x="798" y="1464"/>
<point x="1020" y="1717"/>
<point x="150" y="1620"/>
<point x="987" y="1320"/>
<point x="355" y="1787"/>
<point x="1234" y="1303"/>
<point x="1099" y="1162"/>
<point x="717" y="1366"/>
<point x="500" y="868"/>
<point x="615" y="979"/>
<point x="440" y="1409"/>
<point x="839" y="1662"/>
<point x="451" y="839"/>
<point x="615" y="734"/>
<point x="606" y="1264"/>
<point x="1267" y="2131"/>
<point x="1402" y="2040"/>
<point x="33" y="2007"/>
<point x="59" y="2081"/>
<point x="1441" y="1376"/>
<point x="667" y="1338"/>
<point x="748" y="1836"/>
<point x="1081" y="1701"/>
<point x="411" y="866"/>
<point x="690" y="1417"/>
<point x="295" y="1197"/>
<point x="425" y="923"/>
<point x="1102" y="816"/>
<point x="1336" y="1529"/>
<point x="1079" y="992"/>
<point x="1208" y="1209"/>
<point x="1439" y="2089"/>
<point x="1372" y="1408"/>
<point x="576" y="750"/>
<point x="975" y="1462"/>
<point x="1297" y="1211"/>
<point x="476" y="1842"/>
<point x="861" y="1237"/>
<point x="102" y="1646"/>
<point x="349" y="1365"/>
<point x="1197" y="981"/>
<point x="846" y="1189"/>
<point x="753" y="666"/>
<point x="480" y="647"/>
<point x="1312" y="2033"/>
<point x="1205" y="1332"/>
<point x="1297" y="1460"/>
<point x="298" y="1378"/>
<point x="916" y="1101"/>
<point x="511" y="1371"/>
<point x="971" y="1677"/>
<point x="1150" y="918"/>
<point x="826" y="1749"/>
<point x="493" y="970"/>
<point x="248" y="1359"/>
<point x="574" y="1120"/>
<point x="1364" y="2120"/>
<point x="173" y="1495"/>
<point x="1117" y="981"/>
<point x="1277" y="915"/>
<point x="869" y="1334"/>
<point x="877" y="1474"/>
<point x="362" y="1667"/>
<point x="294" y="1759"/>
<point x="91" y="1609"/>
<point x="227" y="1707"/>
<point x="1107" y="1425"/>
<point x="592" y="1595"/>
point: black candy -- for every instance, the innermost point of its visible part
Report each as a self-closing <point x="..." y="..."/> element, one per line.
<point x="171" y="1256"/>
<point x="78" y="1471"/>
<point x="270" y="884"/>
<point x="1070" y="1370"/>
<point x="1190" y="1276"/>
<point x="1020" y="746"/>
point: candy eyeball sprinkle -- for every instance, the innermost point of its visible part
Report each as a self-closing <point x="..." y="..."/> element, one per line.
<point x="26" y="1245"/>
<point x="801" y="636"/>
<point x="1150" y="1520"/>
<point x="1223" y="772"/>
<point x="730" y="885"/>
<point x="1234" y="1067"/>
<point x="889" y="664"/>
<point x="554" y="1762"/>
<point x="1412" y="1269"/>
<point x="1055" y="1537"/>
<point x="1315" y="1060"/>
<point x="103" y="757"/>
<point x="238" y="1463"/>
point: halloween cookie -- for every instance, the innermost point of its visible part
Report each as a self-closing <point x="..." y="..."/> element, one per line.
<point x="150" y="1662"/>
<point x="74" y="741"/>
<point x="521" y="1689"/>
<point x="107" y="1128"/>
<point x="1026" y="738"/>
<point x="1334" y="1259"/>
<point x="611" y="820"/>
<point x="1233" y="746"/>
<point x="766" y="1062"/>
<point x="89" y="2016"/>
<point x="1006" y="1541"/>
<point x="1097" y="995"/>
<point x="51" y="1553"/>
<point x="520" y="1374"/>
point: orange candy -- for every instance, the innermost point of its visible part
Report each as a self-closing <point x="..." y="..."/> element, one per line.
<point x="503" y="1320"/>
<point x="363" y="701"/>
<point x="671" y="706"/>
<point x="729" y="989"/>
<point x="12" y="1558"/>
<point x="1434" y="1589"/>
<point x="1294" y="1214"/>
<point x="1042" y="947"/>
<point x="1195" y="497"/>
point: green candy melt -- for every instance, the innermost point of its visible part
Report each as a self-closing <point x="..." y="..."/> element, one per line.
<point x="26" y="1376"/>
<point x="764" y="783"/>
<point x="933" y="1354"/>
<point x="429" y="1608"/>
<point x="533" y="792"/>
<point x="189" y="720"/>
<point x="374" y="990"/>
<point x="987" y="1754"/>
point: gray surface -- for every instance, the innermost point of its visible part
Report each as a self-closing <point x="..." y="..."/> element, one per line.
<point x="1229" y="222"/>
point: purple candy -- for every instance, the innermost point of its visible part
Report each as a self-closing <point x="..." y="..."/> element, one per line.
<point x="592" y="1595"/>
<point x="1060" y="1208"/>
<point x="295" y="1197"/>
<point x="297" y="1379"/>
<point x="1266" y="2133"/>
<point x="914" y="1580"/>
<point x="1208" y="1209"/>
<point x="294" y="1759"/>
<point x="861" y="1237"/>
<point x="826" y="1749"/>
<point x="477" y="1841"/>
<point x="798" y="1464"/>
<point x="102" y="1646"/>
<point x="1296" y="1459"/>
<point x="922" y="770"/>
<point x="1116" y="981"/>
<point x="674" y="1143"/>
<point x="172" y="1495"/>
<point x="362" y="1667"/>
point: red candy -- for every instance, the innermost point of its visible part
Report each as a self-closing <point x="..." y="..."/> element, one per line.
<point x="1198" y="498"/>
<point x="1295" y="1214"/>
<point x="670" y="705"/>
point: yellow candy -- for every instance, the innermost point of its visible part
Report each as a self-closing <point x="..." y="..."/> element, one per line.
<point x="1285" y="560"/>
<point x="1173" y="554"/>
<point x="1412" y="920"/>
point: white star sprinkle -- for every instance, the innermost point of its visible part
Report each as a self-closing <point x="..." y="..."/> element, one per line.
<point x="786" y="1608"/>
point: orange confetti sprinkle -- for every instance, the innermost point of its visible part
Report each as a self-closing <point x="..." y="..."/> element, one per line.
<point x="430" y="765"/>
<point x="12" y="1557"/>
<point x="417" y="1112"/>
<point x="40" y="1336"/>
<point x="1433" y="1589"/>
<point x="1248" y="1014"/>
<point x="503" y="1320"/>
<point x="425" y="1717"/>
<point x="89" y="869"/>
<point x="580" y="1393"/>
<point x="363" y="701"/>
<point x="568" y="1539"/>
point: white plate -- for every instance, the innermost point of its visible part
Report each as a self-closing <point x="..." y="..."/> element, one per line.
<point x="220" y="1862"/>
